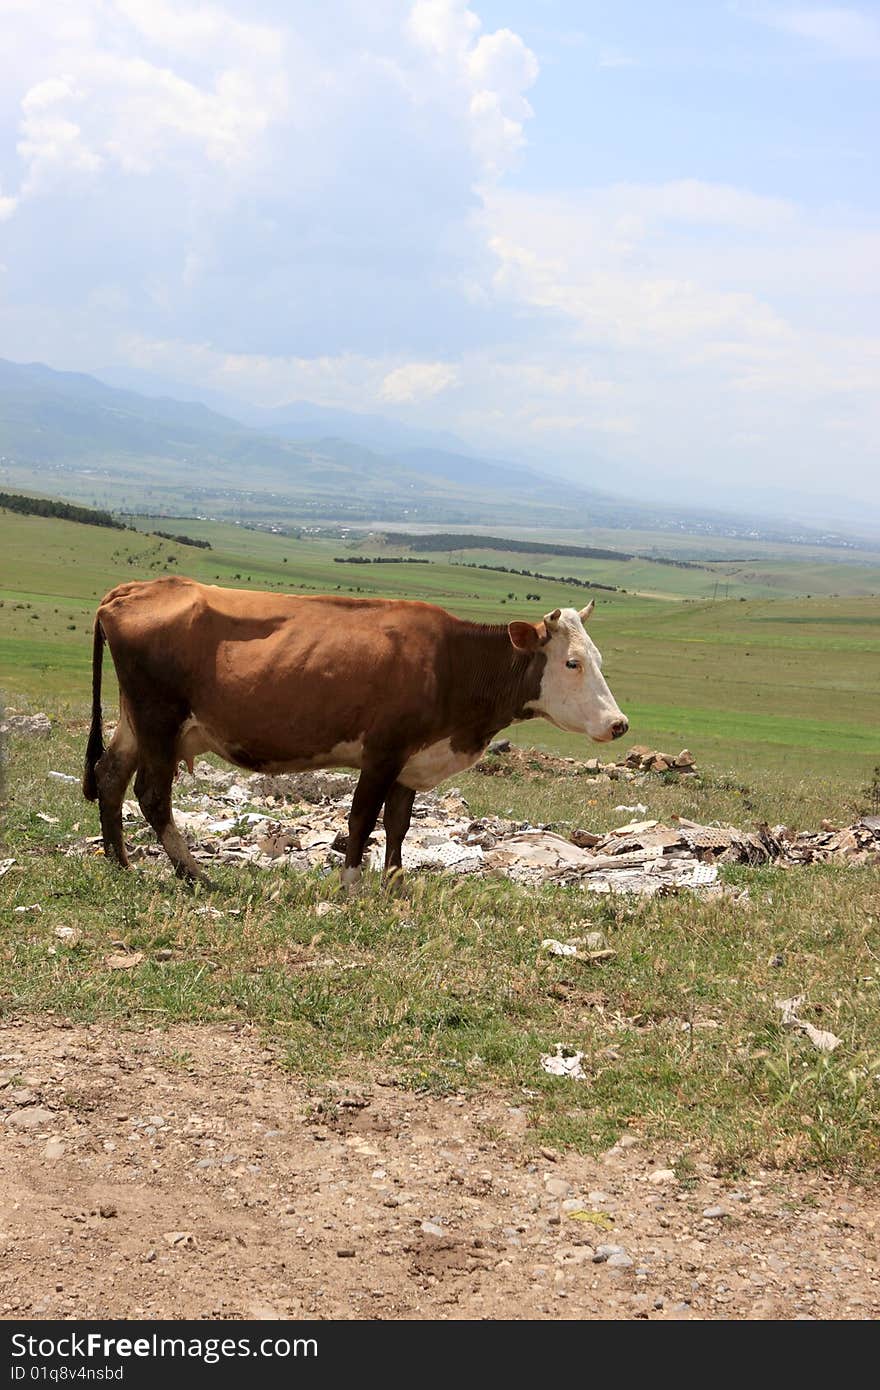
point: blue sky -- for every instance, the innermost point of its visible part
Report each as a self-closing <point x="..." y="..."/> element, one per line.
<point x="638" y="244"/>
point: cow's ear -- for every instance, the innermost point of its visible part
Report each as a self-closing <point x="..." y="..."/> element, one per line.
<point x="524" y="636"/>
<point x="587" y="612"/>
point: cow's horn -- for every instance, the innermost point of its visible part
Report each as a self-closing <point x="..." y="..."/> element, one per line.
<point x="551" y="620"/>
<point x="585" y="613"/>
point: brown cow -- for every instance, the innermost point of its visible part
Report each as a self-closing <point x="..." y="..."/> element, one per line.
<point x="403" y="691"/>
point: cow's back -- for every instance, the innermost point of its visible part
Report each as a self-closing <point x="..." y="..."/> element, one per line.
<point x="280" y="678"/>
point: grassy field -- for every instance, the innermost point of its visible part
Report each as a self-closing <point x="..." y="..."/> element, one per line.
<point x="788" y="687"/>
<point x="447" y="987"/>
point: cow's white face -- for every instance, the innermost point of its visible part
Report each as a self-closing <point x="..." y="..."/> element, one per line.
<point x="574" y="694"/>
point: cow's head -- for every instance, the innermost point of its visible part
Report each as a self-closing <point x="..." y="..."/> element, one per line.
<point x="574" y="695"/>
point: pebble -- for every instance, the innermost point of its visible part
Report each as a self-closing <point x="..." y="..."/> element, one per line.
<point x="604" y="1252"/>
<point x="620" y="1260"/>
<point x="557" y="1187"/>
<point x="54" y="1149"/>
<point x="714" y="1213"/>
<point x="663" y="1175"/>
<point x="108" y="1209"/>
<point x="431" y="1228"/>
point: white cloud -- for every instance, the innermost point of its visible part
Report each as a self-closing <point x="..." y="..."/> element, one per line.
<point x="94" y="98"/>
<point x="417" y="381"/>
<point x="493" y="72"/>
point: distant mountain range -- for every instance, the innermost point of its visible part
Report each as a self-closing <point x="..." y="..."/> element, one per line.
<point x="126" y="449"/>
<point x="177" y="450"/>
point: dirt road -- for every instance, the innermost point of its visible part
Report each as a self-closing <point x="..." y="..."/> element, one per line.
<point x="182" y="1172"/>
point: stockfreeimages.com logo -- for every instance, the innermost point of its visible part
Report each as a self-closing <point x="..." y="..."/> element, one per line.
<point x="210" y="1350"/>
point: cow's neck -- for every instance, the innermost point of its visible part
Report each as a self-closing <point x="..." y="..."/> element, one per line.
<point x="494" y="682"/>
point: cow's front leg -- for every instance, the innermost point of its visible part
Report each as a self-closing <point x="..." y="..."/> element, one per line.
<point x="373" y="786"/>
<point x="396" y="817"/>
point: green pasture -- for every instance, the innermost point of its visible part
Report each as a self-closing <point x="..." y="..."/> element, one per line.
<point x="788" y="685"/>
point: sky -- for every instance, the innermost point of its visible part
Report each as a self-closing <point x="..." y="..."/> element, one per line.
<point x="636" y="244"/>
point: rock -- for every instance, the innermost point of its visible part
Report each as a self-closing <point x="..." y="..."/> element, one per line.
<point x="431" y="1228"/>
<point x="619" y="1260"/>
<point x="557" y="1187"/>
<point x="108" y="1209"/>
<point x="124" y="960"/>
<point x="605" y="1252"/>
<point x="55" y="1148"/>
<point x="551" y="1155"/>
<point x="31" y="1118"/>
<point x="501" y="745"/>
<point x="662" y="1175"/>
<point x="684" y="759"/>
<point x="180" y="1240"/>
<point x="23" y="1096"/>
<point x="627" y="1141"/>
<point x="346" y="1254"/>
<point x="714" y="1213"/>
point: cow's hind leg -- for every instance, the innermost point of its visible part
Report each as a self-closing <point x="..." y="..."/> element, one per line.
<point x="372" y="788"/>
<point x="152" y="787"/>
<point x="396" y="818"/>
<point x="112" y="776"/>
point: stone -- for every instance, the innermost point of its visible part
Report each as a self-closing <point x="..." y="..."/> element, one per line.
<point x="619" y="1260"/>
<point x="557" y="1187"/>
<point x="605" y="1252"/>
<point x="714" y="1213"/>
<point x="663" y="1175"/>
<point x="31" y="1118"/>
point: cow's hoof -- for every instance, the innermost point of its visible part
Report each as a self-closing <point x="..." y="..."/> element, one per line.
<point x="352" y="879"/>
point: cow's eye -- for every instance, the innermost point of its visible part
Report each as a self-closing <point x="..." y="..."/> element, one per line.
<point x="572" y="665"/>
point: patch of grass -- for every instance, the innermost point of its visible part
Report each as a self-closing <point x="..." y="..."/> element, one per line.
<point x="448" y="988"/>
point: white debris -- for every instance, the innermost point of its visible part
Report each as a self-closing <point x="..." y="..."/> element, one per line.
<point x="560" y="948"/>
<point x="639" y="809"/>
<point x="31" y="907"/>
<point x="564" y="1062"/>
<point x="703" y="874"/>
<point x="819" y="1037"/>
<point x="50" y="820"/>
<point x="5" y="866"/>
<point x="63" y="776"/>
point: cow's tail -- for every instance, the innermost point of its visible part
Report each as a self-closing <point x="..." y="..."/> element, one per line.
<point x="95" y="745"/>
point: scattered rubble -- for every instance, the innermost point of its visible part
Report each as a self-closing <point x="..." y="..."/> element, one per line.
<point x="299" y="821"/>
<point x="503" y="759"/>
<point x="28" y="725"/>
